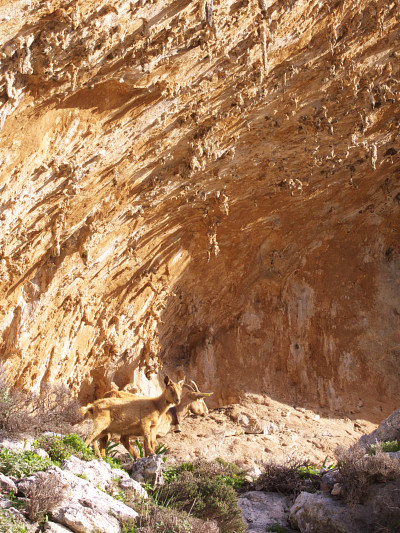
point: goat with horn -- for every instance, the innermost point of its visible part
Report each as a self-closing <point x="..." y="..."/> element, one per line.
<point x="192" y="400"/>
<point x="129" y="414"/>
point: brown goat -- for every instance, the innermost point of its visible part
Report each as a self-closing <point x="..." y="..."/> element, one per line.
<point x="132" y="415"/>
<point x="191" y="400"/>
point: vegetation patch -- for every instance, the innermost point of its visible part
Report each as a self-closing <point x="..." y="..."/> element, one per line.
<point x="357" y="471"/>
<point x="206" y="490"/>
<point x="21" y="464"/>
<point x="388" y="446"/>
<point x="26" y="412"/>
<point x="9" y="523"/>
<point x="61" y="448"/>
<point x="44" y="495"/>
<point x="290" y="477"/>
<point x="155" y="519"/>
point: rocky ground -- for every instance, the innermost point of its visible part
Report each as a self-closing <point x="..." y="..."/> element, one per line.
<point x="260" y="429"/>
<point x="81" y="493"/>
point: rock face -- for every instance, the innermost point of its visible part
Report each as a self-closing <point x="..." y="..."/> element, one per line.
<point x="313" y="513"/>
<point x="84" y="507"/>
<point x="262" y="510"/>
<point x="388" y="430"/>
<point x="212" y="188"/>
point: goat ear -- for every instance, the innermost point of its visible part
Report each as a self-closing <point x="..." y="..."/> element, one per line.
<point x="166" y="380"/>
<point x="181" y="382"/>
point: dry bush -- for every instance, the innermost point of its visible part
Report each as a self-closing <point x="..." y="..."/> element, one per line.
<point x="26" y="412"/>
<point x="287" y="477"/>
<point x="155" y="519"/>
<point x="357" y="471"/>
<point x="206" y="490"/>
<point x="44" y="495"/>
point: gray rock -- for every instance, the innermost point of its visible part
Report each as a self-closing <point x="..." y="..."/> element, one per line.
<point x="396" y="455"/>
<point x="131" y="484"/>
<point x="317" y="513"/>
<point x="17" y="445"/>
<point x="383" y="505"/>
<point x="263" y="509"/>
<point x="328" y="480"/>
<point x="84" y="508"/>
<point x="5" y="504"/>
<point x="41" y="453"/>
<point x="388" y="430"/>
<point x="119" y="473"/>
<point x="149" y="470"/>
<point x="52" y="527"/>
<point x="250" y="424"/>
<point x="7" y="484"/>
<point x="97" y="471"/>
<point x="270" y="428"/>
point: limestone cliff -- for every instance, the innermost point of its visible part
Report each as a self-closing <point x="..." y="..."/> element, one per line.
<point x="211" y="187"/>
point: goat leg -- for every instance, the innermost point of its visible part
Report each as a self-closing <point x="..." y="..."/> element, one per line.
<point x="103" y="439"/>
<point x="100" y="425"/>
<point x="148" y="440"/>
<point x="125" y="442"/>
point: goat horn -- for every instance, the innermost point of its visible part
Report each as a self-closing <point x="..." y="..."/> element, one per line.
<point x="189" y="387"/>
<point x="194" y="385"/>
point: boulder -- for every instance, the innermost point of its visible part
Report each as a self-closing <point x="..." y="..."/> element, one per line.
<point x="131" y="484"/>
<point x="264" y="509"/>
<point x="250" y="424"/>
<point x="17" y="445"/>
<point x="52" y="527"/>
<point x="329" y="479"/>
<point x="149" y="470"/>
<point x="388" y="430"/>
<point x="315" y="513"/>
<point x="5" y="503"/>
<point x="380" y="510"/>
<point x="96" y="471"/>
<point x="84" y="508"/>
<point x="7" y="484"/>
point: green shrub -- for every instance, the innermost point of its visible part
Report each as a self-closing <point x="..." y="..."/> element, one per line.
<point x="61" y="448"/>
<point x="388" y="446"/>
<point x="21" y="464"/>
<point x="206" y="490"/>
<point x="154" y="519"/>
<point x="9" y="523"/>
<point x="114" y="462"/>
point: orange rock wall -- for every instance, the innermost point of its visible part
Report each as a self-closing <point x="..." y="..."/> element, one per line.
<point x="202" y="187"/>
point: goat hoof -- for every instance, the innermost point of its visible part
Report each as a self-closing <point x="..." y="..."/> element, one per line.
<point x="177" y="429"/>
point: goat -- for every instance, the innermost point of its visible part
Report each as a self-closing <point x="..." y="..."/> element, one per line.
<point x="131" y="415"/>
<point x="191" y="401"/>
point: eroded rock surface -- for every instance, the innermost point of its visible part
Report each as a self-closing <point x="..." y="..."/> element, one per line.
<point x="213" y="190"/>
<point x="84" y="507"/>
